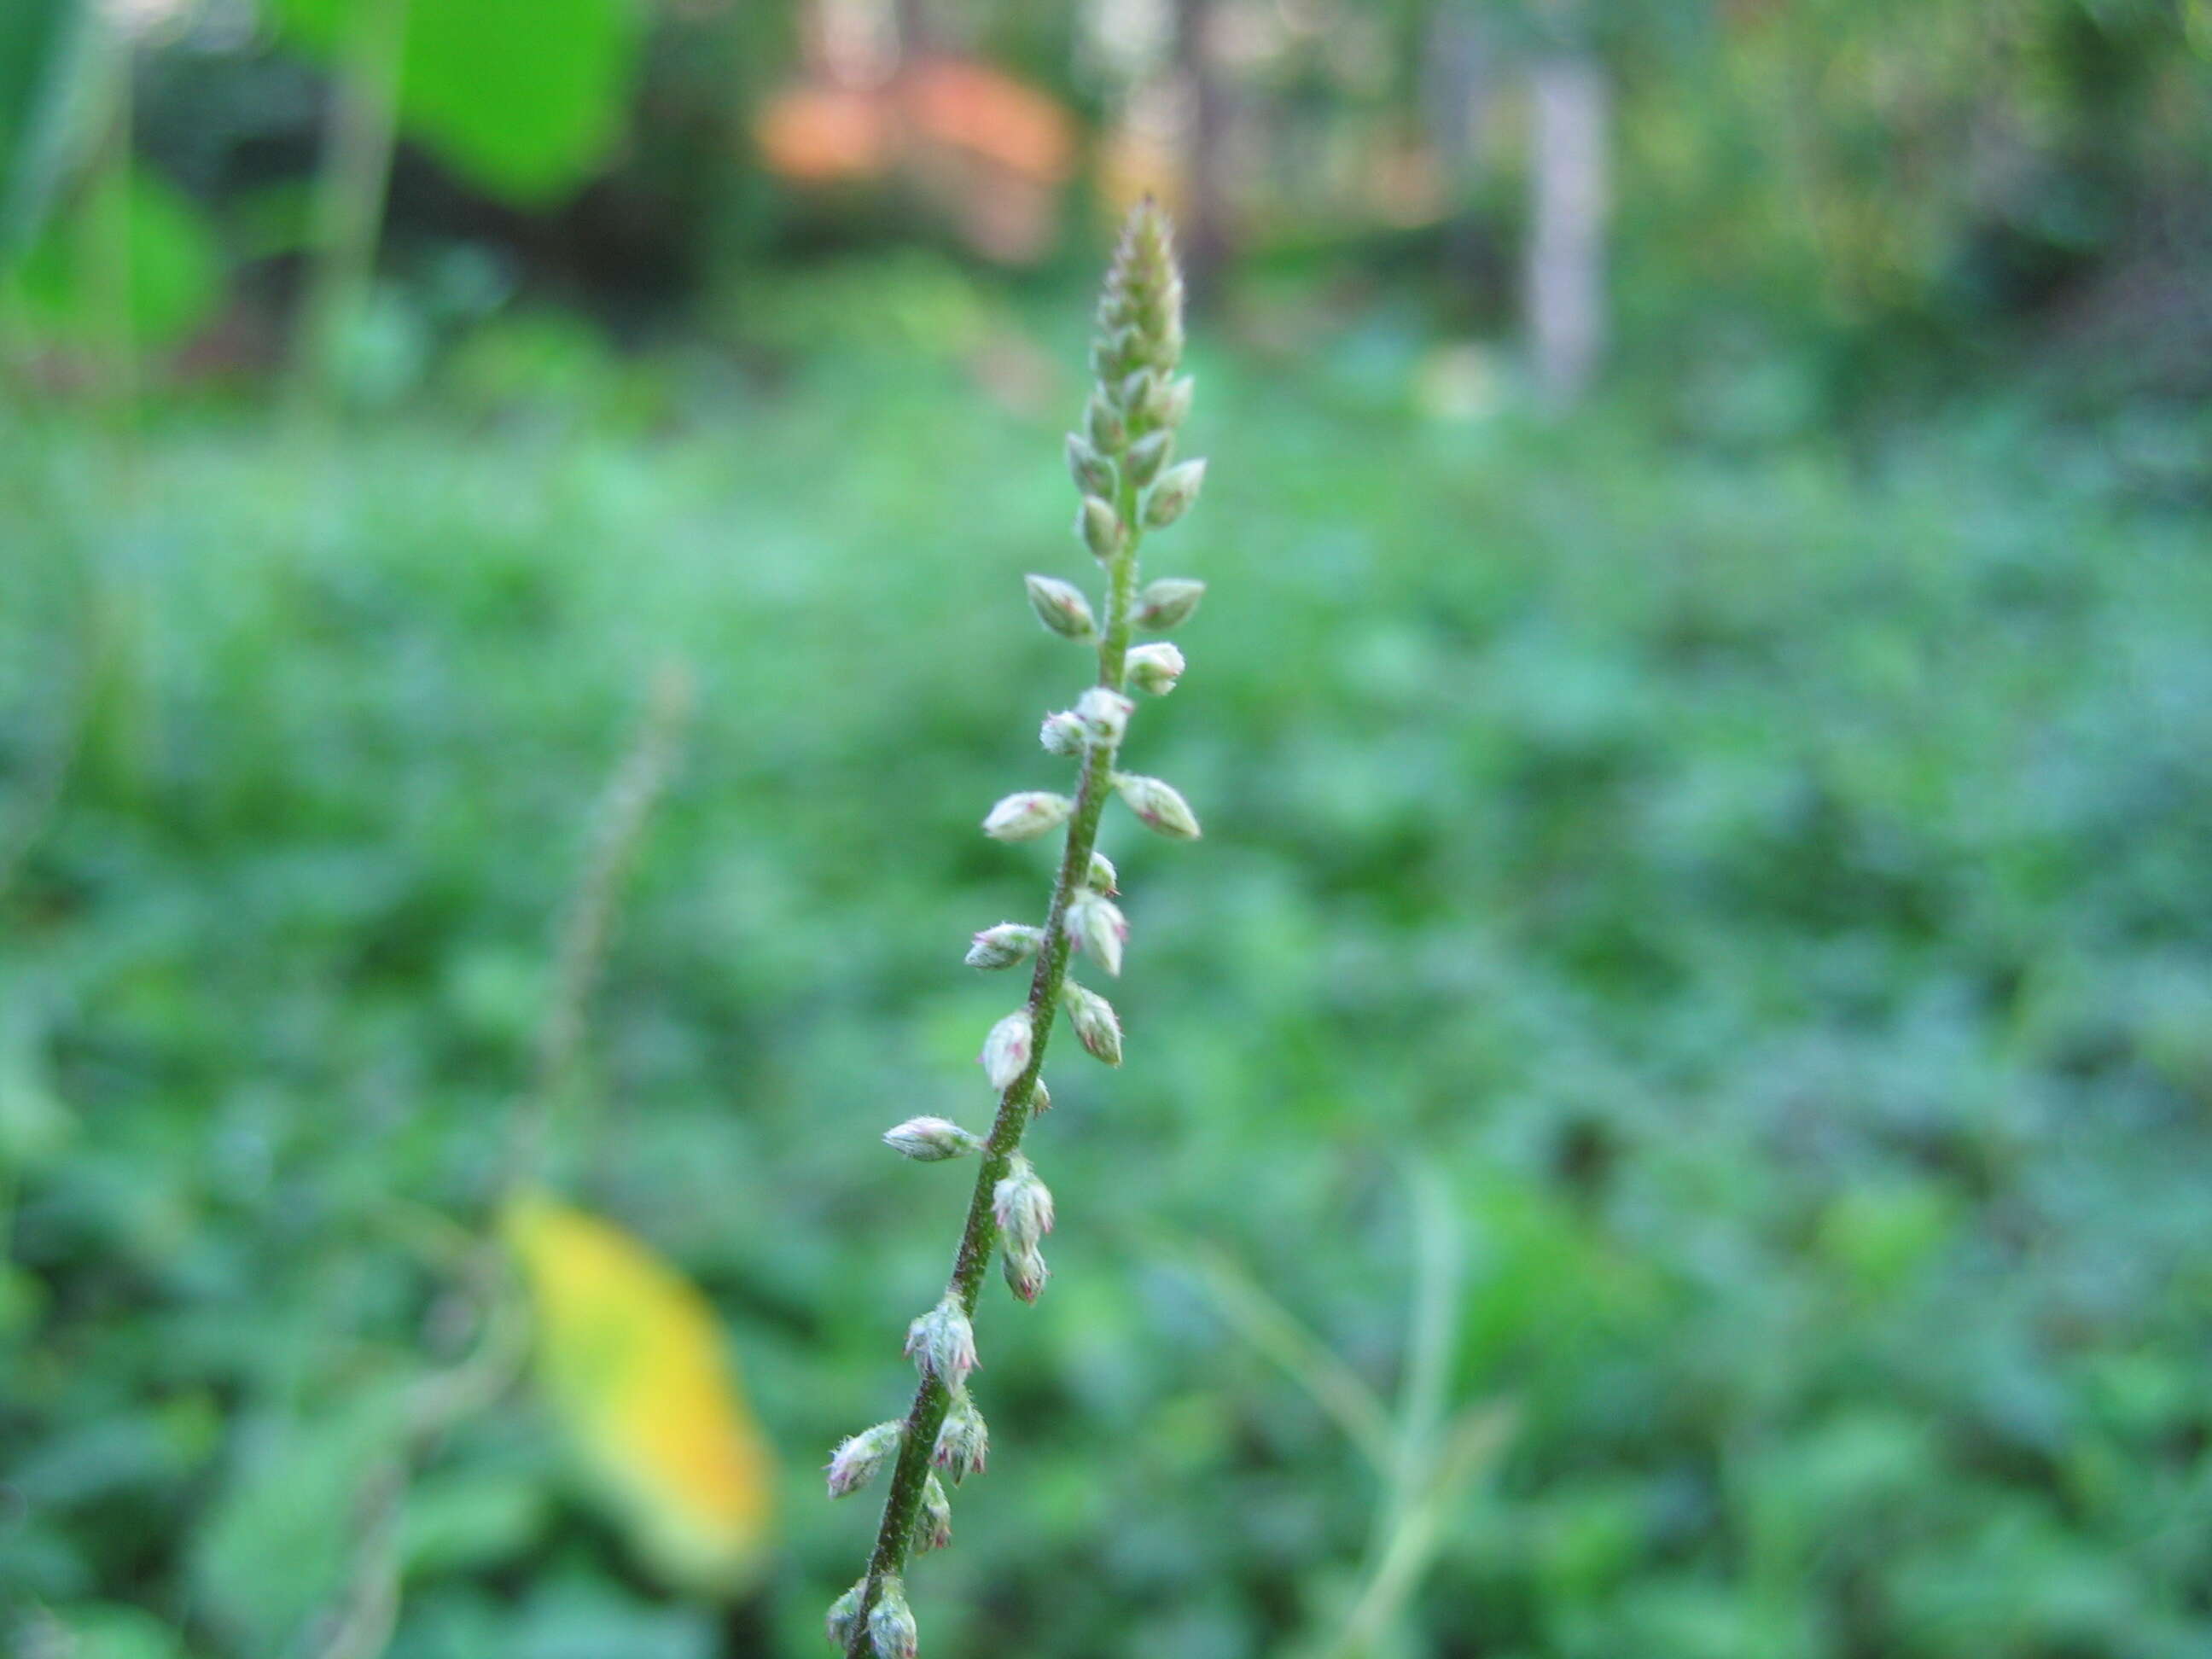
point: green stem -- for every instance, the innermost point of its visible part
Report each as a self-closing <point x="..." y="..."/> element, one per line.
<point x="895" y="1538"/>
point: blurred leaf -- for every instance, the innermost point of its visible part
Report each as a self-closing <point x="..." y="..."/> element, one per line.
<point x="525" y="98"/>
<point x="41" y="45"/>
<point x="175" y="267"/>
<point x="632" y="1362"/>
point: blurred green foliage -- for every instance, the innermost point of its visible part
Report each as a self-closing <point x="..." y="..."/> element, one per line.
<point x="1765" y="885"/>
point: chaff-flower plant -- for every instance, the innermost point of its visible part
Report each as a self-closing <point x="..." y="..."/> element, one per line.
<point x="1130" y="481"/>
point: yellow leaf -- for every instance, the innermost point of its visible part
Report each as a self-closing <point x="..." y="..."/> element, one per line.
<point x="632" y="1363"/>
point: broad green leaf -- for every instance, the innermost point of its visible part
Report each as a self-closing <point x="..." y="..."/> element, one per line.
<point x="525" y="98"/>
<point x="167" y="264"/>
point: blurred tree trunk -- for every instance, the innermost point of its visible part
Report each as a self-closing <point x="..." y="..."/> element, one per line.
<point x="1203" y="233"/>
<point x="1569" y="199"/>
<point x="1456" y="88"/>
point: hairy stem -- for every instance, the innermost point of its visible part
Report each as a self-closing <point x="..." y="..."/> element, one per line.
<point x="895" y="1537"/>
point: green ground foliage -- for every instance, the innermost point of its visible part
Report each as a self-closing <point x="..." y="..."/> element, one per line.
<point x="1766" y="885"/>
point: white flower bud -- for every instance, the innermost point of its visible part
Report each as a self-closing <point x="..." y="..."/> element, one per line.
<point x="931" y="1139"/>
<point x="1100" y="928"/>
<point x="1166" y="602"/>
<point x="844" y="1620"/>
<point x="1154" y="668"/>
<point x="1063" y="733"/>
<point x="856" y="1461"/>
<point x="1005" y="1054"/>
<point x="942" y="1344"/>
<point x="1092" y="472"/>
<point x="932" y="1528"/>
<point x="1025" y="1272"/>
<point x="1099" y="528"/>
<point x="1003" y="946"/>
<point x="1102" y="876"/>
<point x="1027" y="816"/>
<point x="892" y="1631"/>
<point x="1062" y="607"/>
<point x="1040" y="1098"/>
<point x="1096" y="1026"/>
<point x="1134" y="388"/>
<point x="1157" y="806"/>
<point x="1170" y="498"/>
<point x="1171" y="405"/>
<point x="1104" y="714"/>
<point x="963" y="1443"/>
<point x="1105" y="424"/>
<point x="1023" y="1204"/>
<point x="1148" y="455"/>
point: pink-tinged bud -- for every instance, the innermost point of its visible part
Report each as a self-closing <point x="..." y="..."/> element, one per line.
<point x="1005" y="1054"/>
<point x="1027" y="816"/>
<point x="1100" y="928"/>
<point x="844" y="1622"/>
<point x="1104" y="714"/>
<point x="1092" y="472"/>
<point x="1023" y="1204"/>
<point x="1105" y="425"/>
<point x="1025" y="1272"/>
<point x="1063" y="733"/>
<point x="1158" y="805"/>
<point x="931" y="1139"/>
<point x="891" y="1630"/>
<point x="1102" y="876"/>
<point x="1098" y="528"/>
<point x="1003" y="946"/>
<point x="859" y="1460"/>
<point x="932" y="1528"/>
<point x="1155" y="668"/>
<point x="1169" y="405"/>
<point x="1170" y="498"/>
<point x="963" y="1443"/>
<point x="942" y="1344"/>
<point x="1168" y="602"/>
<point x="1096" y="1026"/>
<point x="1148" y="455"/>
<point x="1062" y="607"/>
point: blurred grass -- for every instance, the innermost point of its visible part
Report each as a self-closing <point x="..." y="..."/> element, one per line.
<point x="1766" y="885"/>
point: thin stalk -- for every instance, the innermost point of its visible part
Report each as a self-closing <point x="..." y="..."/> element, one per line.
<point x="895" y="1537"/>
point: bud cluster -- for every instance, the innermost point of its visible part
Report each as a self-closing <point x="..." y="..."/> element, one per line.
<point x="1129" y="481"/>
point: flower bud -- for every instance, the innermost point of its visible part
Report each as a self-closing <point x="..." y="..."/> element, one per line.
<point x="1096" y="1024"/>
<point x="1003" y="946"/>
<point x="942" y="1344"/>
<point x="1135" y="387"/>
<point x="1167" y="602"/>
<point x="1040" y="1098"/>
<point x="857" y="1461"/>
<point x="1063" y="733"/>
<point x="1170" y="405"/>
<point x="1027" y="816"/>
<point x="1005" y="1054"/>
<point x="892" y="1631"/>
<point x="1100" y="928"/>
<point x="1170" y="498"/>
<point x="932" y="1530"/>
<point x="963" y="1443"/>
<point x="1105" y="424"/>
<point x="931" y="1139"/>
<point x="1154" y="668"/>
<point x="1102" y="876"/>
<point x="1158" y="807"/>
<point x="1098" y="528"/>
<point x="1148" y="455"/>
<point x="1104" y="714"/>
<point x="844" y="1620"/>
<point x="1062" y="607"/>
<point x="1092" y="472"/>
<point x="1023" y="1204"/>
<point x="1025" y="1272"/>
